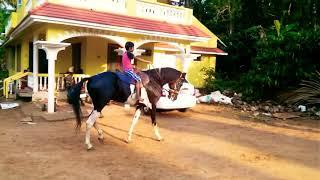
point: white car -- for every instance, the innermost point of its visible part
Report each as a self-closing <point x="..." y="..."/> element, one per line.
<point x="185" y="99"/>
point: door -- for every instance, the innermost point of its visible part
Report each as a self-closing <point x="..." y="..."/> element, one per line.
<point x="18" y="58"/>
<point x="43" y="62"/>
<point x="76" y="58"/>
<point x="114" y="60"/>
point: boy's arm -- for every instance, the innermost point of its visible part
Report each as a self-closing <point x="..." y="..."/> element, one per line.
<point x="142" y="60"/>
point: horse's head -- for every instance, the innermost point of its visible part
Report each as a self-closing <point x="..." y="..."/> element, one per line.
<point x="176" y="85"/>
<point x="167" y="75"/>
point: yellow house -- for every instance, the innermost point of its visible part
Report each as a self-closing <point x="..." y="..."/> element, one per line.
<point x="49" y="36"/>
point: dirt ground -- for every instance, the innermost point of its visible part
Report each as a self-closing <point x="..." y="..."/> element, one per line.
<point x="207" y="142"/>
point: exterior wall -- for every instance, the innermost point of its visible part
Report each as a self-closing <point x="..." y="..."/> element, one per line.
<point x="143" y="65"/>
<point x="11" y="64"/>
<point x="20" y="11"/>
<point x="93" y="55"/>
<point x="212" y="42"/>
<point x="96" y="56"/>
<point x="195" y="76"/>
<point x="24" y="55"/>
<point x="64" y="60"/>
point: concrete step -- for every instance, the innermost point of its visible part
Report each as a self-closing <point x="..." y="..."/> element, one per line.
<point x="25" y="93"/>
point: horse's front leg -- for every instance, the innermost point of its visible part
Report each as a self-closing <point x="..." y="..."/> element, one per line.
<point x="154" y="123"/>
<point x="134" y="122"/>
<point x="90" y="122"/>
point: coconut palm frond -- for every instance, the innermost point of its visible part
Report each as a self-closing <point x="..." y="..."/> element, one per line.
<point x="308" y="93"/>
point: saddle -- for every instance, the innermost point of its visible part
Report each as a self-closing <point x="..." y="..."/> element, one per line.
<point x="126" y="83"/>
<point x="128" y="80"/>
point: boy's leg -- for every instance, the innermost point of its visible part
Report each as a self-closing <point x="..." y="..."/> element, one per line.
<point x="138" y="91"/>
<point x="138" y="84"/>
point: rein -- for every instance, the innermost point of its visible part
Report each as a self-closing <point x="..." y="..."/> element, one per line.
<point x="175" y="86"/>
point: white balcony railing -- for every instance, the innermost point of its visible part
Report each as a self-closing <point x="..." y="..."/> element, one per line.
<point x="162" y="12"/>
<point x="28" y="6"/>
<point x="60" y="81"/>
<point x="39" y="2"/>
<point x="115" y="6"/>
<point x="8" y="26"/>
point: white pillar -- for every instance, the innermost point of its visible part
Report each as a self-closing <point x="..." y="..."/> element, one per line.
<point x="16" y="58"/>
<point x="186" y="60"/>
<point x="35" y="65"/>
<point x="51" y="84"/>
<point x="51" y="49"/>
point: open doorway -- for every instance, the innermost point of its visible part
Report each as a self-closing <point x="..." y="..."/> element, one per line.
<point x="43" y="62"/>
<point x="114" y="60"/>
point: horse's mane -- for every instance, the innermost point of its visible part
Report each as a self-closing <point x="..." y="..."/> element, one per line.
<point x="154" y="86"/>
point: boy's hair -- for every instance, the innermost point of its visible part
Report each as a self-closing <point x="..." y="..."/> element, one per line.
<point x="128" y="45"/>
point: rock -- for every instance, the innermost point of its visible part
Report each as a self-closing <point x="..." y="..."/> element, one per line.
<point x="267" y="114"/>
<point x="289" y="110"/>
<point x="281" y="108"/>
<point x="31" y="123"/>
<point x="254" y="108"/>
<point x="275" y="109"/>
<point x="236" y="101"/>
<point x="27" y="119"/>
<point x="266" y="108"/>
<point x="285" y="116"/>
<point x="296" y="109"/>
<point x="244" y="108"/>
<point x="312" y="109"/>
<point x="256" y="113"/>
<point x="228" y="93"/>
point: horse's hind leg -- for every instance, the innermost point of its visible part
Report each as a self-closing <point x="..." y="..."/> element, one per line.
<point x="100" y="131"/>
<point x="134" y="122"/>
<point x="154" y="123"/>
<point x="90" y="122"/>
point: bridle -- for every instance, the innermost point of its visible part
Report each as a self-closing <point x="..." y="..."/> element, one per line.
<point x="174" y="89"/>
<point x="170" y="90"/>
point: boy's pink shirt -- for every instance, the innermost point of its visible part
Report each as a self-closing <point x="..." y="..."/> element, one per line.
<point x="126" y="62"/>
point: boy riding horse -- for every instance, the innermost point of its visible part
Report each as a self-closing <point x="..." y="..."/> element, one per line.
<point x="128" y="67"/>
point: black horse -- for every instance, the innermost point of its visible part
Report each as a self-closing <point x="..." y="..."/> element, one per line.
<point x="108" y="86"/>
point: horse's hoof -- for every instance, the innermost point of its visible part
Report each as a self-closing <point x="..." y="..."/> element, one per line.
<point x="101" y="140"/>
<point x="128" y="141"/>
<point x="160" y="139"/>
<point x="89" y="147"/>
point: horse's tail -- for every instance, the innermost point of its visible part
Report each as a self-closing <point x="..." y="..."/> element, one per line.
<point x="74" y="100"/>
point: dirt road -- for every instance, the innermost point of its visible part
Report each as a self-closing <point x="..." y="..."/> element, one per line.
<point x="209" y="142"/>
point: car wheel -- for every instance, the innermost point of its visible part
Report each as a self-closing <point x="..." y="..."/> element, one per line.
<point x="183" y="110"/>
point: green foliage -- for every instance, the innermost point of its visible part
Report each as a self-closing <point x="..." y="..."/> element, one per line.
<point x="308" y="93"/>
<point x="4" y="14"/>
<point x="3" y="74"/>
<point x="213" y="82"/>
<point x="262" y="62"/>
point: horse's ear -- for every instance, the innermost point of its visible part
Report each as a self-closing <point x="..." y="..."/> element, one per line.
<point x="183" y="75"/>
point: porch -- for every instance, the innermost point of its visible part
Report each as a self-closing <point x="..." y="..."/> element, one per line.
<point x="91" y="42"/>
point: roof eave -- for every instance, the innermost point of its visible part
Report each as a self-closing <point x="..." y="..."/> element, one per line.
<point x="209" y="53"/>
<point x="52" y="20"/>
<point x="29" y="20"/>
